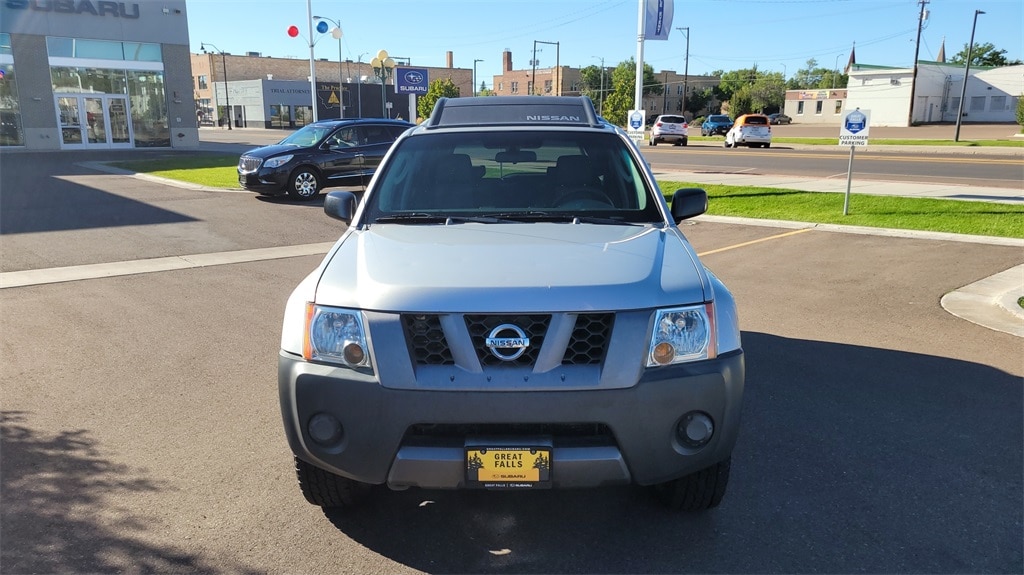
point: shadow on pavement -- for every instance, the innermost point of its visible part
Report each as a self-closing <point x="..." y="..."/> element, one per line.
<point x="850" y="459"/>
<point x="37" y="197"/>
<point x="53" y="488"/>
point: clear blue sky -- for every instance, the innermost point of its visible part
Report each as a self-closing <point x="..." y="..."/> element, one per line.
<point x="777" y="35"/>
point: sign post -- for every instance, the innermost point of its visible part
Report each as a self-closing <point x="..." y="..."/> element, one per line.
<point x="853" y="132"/>
<point x="636" y="120"/>
<point x="412" y="81"/>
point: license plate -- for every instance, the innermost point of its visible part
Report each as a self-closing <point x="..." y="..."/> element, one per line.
<point x="508" y="467"/>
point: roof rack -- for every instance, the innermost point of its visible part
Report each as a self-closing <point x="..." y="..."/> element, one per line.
<point x="514" y="111"/>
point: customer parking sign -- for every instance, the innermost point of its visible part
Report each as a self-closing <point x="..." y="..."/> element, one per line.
<point x="853" y="129"/>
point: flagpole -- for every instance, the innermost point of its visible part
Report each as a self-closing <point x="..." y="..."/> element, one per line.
<point x="638" y="103"/>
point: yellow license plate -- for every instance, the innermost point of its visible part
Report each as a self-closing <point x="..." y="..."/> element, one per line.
<point x="508" y="467"/>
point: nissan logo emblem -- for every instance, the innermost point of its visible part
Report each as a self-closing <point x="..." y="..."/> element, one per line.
<point x="507" y="342"/>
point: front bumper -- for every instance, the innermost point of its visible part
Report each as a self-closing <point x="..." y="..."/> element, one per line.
<point x="382" y="438"/>
<point x="265" y="180"/>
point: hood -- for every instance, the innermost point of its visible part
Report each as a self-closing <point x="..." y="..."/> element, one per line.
<point x="510" y="268"/>
<point x="273" y="150"/>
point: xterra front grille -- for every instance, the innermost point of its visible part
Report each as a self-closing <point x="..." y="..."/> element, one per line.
<point x="587" y="345"/>
<point x="248" y="164"/>
<point x="426" y="340"/>
<point x="561" y="433"/>
<point x="534" y="327"/>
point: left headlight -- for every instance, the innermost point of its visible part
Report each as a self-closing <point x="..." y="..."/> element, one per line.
<point x="278" y="161"/>
<point x="682" y="334"/>
<point x="335" y="335"/>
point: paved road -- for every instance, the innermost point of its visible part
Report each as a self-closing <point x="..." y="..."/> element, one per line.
<point x="141" y="432"/>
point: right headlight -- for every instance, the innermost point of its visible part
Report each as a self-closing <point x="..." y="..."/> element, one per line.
<point x="683" y="334"/>
<point x="335" y="335"/>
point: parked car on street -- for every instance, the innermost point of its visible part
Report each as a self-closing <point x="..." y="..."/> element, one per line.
<point x="669" y="128"/>
<point x="715" y="124"/>
<point x="752" y="130"/>
<point x="779" y="118"/>
<point x="512" y="306"/>
<point x="324" y="154"/>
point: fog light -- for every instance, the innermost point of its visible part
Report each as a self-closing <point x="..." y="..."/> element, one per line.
<point x="324" y="429"/>
<point x="354" y="354"/>
<point x="695" y="429"/>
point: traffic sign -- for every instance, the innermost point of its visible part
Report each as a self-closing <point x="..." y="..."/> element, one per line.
<point x="854" y="128"/>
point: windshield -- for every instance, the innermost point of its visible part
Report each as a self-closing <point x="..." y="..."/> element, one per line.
<point x="309" y="135"/>
<point x="513" y="176"/>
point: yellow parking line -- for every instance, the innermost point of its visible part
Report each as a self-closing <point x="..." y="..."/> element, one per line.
<point x="744" y="244"/>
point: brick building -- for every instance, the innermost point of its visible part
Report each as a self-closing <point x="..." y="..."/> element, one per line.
<point x="275" y="92"/>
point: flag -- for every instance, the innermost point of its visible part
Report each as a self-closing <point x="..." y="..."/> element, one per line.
<point x="658" y="14"/>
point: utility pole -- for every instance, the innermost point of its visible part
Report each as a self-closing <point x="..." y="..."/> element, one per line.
<point x="686" y="66"/>
<point x="917" y="51"/>
<point x="967" y="72"/>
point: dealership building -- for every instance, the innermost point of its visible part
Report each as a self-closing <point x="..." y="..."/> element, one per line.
<point x="95" y="74"/>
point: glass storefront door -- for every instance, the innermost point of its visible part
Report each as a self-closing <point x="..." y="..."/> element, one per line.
<point x="94" y="121"/>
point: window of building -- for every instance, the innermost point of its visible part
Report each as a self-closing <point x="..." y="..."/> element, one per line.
<point x="818" y="106"/>
<point x="800" y="108"/>
<point x="515" y="87"/>
<point x="839" y="107"/>
<point x="998" y="103"/>
<point x="203" y="82"/>
<point x="529" y="87"/>
<point x="102" y="49"/>
<point x="5" y="44"/>
<point x="679" y="90"/>
<point x="501" y="86"/>
<point x="149" y="109"/>
<point x="954" y="104"/>
<point x="575" y="86"/>
<point x="977" y="103"/>
<point x="547" y="86"/>
<point x="96" y="80"/>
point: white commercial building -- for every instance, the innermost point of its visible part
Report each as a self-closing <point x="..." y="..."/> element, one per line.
<point x="991" y="96"/>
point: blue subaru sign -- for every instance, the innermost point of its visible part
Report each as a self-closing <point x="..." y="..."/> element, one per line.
<point x="855" y="122"/>
<point x="411" y="80"/>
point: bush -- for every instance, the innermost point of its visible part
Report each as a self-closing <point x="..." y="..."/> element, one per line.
<point x="1020" y="112"/>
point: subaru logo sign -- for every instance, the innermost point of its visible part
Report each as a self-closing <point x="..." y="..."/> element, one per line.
<point x="412" y="80"/>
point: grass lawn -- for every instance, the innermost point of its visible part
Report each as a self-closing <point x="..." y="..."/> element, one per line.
<point x="1019" y="143"/>
<point x="927" y="214"/>
<point x="960" y="217"/>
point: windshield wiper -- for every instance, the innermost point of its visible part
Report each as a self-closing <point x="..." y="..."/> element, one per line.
<point x="425" y="218"/>
<point x="537" y="216"/>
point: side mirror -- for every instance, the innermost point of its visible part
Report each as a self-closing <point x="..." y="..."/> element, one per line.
<point x="340" y="205"/>
<point x="688" y="203"/>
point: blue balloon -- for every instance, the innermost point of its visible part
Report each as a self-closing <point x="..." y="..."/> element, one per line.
<point x="322" y="27"/>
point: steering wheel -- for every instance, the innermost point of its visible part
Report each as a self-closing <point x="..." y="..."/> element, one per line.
<point x="585" y="198"/>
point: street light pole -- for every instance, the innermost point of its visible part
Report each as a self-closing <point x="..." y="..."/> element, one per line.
<point x="312" y="61"/>
<point x="967" y="69"/>
<point x="341" y="77"/>
<point x="557" y="66"/>
<point x="601" y="106"/>
<point x="382" y="67"/>
<point x="224" y="65"/>
<point x="474" y="75"/>
<point x="686" y="66"/>
<point x="359" y="71"/>
<point x="835" y="71"/>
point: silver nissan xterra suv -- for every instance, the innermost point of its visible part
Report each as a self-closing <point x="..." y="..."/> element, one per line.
<point x="512" y="306"/>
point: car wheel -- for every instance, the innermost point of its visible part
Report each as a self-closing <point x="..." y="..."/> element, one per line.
<point x="682" y="142"/>
<point x="767" y="145"/>
<point x="653" y="142"/>
<point x="697" y="491"/>
<point x="726" y="143"/>
<point x="304" y="184"/>
<point x="328" y="490"/>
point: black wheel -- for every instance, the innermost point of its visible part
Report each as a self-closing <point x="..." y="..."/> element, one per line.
<point x="768" y="145"/>
<point x="328" y="490"/>
<point x="726" y="143"/>
<point x="652" y="142"/>
<point x="304" y="184"/>
<point x="697" y="491"/>
<point x="682" y="142"/>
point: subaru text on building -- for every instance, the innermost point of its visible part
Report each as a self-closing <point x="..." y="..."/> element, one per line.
<point x="320" y="155"/>
<point x="512" y="306"/>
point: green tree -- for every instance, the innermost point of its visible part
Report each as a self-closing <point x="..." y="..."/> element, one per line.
<point x="443" y="88"/>
<point x="814" y="77"/>
<point x="699" y="99"/>
<point x="983" y="55"/>
<point x="768" y="92"/>
<point x="621" y="99"/>
<point x="1020" y="112"/>
<point x="592" y="81"/>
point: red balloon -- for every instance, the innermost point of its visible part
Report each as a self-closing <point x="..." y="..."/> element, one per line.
<point x="293" y="31"/>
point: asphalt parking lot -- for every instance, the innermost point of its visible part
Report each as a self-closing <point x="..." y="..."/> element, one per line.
<point x="141" y="431"/>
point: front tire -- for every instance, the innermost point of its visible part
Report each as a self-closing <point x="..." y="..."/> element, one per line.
<point x="652" y="142"/>
<point x="698" y="491"/>
<point x="304" y="184"/>
<point x="328" y="490"/>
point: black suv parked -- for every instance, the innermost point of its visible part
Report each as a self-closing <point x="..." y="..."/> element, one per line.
<point x="320" y="155"/>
